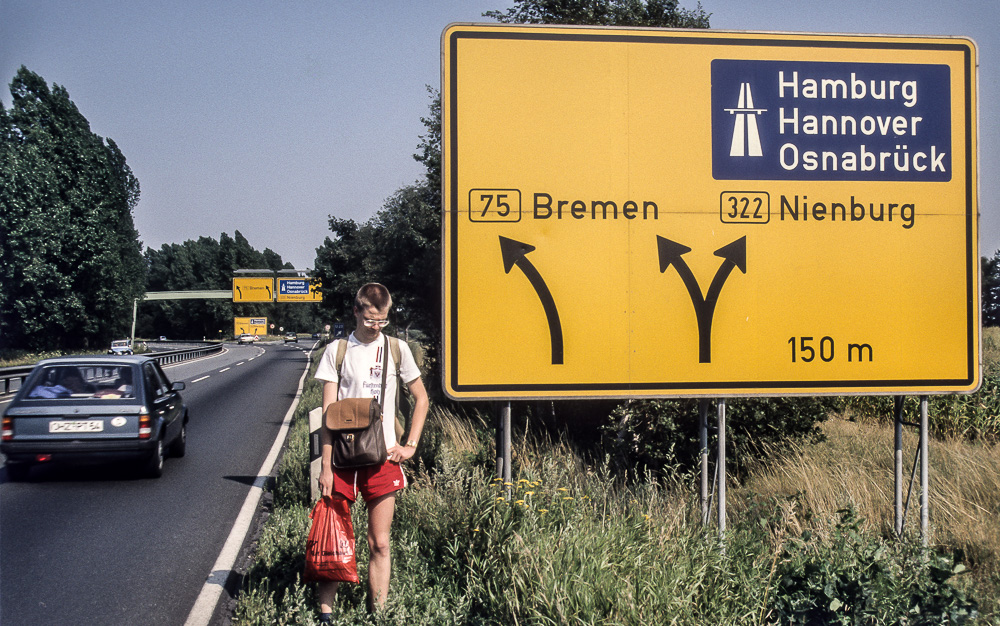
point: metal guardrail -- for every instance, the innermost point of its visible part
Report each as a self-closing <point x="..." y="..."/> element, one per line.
<point x="175" y="356"/>
<point x="11" y="375"/>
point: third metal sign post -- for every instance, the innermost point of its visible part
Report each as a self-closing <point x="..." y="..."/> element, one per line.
<point x="651" y="213"/>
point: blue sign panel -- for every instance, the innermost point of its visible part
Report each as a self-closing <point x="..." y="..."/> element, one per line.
<point x="807" y="120"/>
<point x="293" y="287"/>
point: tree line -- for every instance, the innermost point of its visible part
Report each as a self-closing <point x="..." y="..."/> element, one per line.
<point x="70" y="258"/>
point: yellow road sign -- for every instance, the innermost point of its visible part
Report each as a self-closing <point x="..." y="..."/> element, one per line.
<point x="299" y="290"/>
<point x="249" y="326"/>
<point x="253" y="289"/>
<point x="647" y="213"/>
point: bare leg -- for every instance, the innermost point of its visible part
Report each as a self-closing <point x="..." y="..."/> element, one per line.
<point x="380" y="512"/>
<point x="326" y="591"/>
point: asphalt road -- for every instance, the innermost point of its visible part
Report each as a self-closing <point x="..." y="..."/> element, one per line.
<point x="102" y="545"/>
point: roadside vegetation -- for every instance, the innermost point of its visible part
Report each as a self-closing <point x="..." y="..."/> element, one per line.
<point x="579" y="537"/>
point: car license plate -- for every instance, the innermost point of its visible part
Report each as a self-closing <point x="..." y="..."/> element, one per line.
<point x="77" y="426"/>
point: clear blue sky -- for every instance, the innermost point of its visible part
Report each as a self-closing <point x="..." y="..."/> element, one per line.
<point x="267" y="117"/>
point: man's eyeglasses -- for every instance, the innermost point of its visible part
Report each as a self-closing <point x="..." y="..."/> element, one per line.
<point x="376" y="323"/>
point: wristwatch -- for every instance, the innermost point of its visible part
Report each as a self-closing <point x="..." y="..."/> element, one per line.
<point x="412" y="443"/>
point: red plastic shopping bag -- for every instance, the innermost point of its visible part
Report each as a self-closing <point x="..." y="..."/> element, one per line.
<point x="330" y="546"/>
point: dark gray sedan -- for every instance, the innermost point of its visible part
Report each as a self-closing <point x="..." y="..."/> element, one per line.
<point x="94" y="409"/>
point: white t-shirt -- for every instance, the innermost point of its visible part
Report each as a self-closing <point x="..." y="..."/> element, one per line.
<point x="362" y="370"/>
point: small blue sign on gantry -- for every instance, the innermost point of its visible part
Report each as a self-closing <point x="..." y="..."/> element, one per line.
<point x="299" y="290"/>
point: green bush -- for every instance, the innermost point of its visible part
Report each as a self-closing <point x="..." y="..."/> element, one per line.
<point x="662" y="435"/>
<point x="854" y="578"/>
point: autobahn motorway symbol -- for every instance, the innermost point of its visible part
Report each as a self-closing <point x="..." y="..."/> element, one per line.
<point x="746" y="138"/>
<point x="707" y="213"/>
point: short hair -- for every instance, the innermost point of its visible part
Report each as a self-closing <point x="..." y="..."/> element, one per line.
<point x="373" y="294"/>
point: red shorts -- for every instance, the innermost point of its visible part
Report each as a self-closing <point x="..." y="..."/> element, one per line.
<point x="371" y="482"/>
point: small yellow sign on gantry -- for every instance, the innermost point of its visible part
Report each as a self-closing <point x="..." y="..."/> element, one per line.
<point x="654" y="213"/>
<point x="253" y="289"/>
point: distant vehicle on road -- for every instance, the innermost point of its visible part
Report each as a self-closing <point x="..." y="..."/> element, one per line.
<point x="120" y="347"/>
<point x="291" y="338"/>
<point x="315" y="336"/>
<point x="162" y="338"/>
<point x="246" y="338"/>
<point x="93" y="410"/>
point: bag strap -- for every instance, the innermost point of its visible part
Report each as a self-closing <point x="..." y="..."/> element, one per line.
<point x="341" y="351"/>
<point x="396" y="358"/>
<point x="385" y="371"/>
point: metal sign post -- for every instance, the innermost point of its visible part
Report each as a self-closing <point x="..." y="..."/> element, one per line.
<point x="503" y="447"/>
<point x="703" y="436"/>
<point x="721" y="469"/>
<point x="922" y="457"/>
<point x="924" y="474"/>
<point x="898" y="463"/>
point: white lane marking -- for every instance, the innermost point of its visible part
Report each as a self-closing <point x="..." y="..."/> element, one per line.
<point x="199" y="379"/>
<point x="225" y="369"/>
<point x="240" y="363"/>
<point x="211" y="591"/>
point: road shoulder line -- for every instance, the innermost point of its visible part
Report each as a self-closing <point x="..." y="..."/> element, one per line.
<point x="204" y="606"/>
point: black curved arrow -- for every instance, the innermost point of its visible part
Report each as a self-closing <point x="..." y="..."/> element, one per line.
<point x="514" y="254"/>
<point x="734" y="255"/>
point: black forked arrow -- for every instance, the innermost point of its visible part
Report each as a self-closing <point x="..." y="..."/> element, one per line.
<point x="514" y="254"/>
<point x="734" y="255"/>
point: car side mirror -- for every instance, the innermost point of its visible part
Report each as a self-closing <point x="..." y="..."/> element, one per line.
<point x="177" y="387"/>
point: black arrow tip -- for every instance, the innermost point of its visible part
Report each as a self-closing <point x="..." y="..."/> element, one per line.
<point x="735" y="252"/>
<point x="512" y="252"/>
<point x="670" y="252"/>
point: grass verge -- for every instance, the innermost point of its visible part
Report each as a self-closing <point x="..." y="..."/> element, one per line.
<point x="809" y="540"/>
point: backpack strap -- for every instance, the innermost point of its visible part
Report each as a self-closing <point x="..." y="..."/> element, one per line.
<point x="341" y="351"/>
<point x="396" y="358"/>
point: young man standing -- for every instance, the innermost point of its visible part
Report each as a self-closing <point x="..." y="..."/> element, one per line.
<point x="360" y="376"/>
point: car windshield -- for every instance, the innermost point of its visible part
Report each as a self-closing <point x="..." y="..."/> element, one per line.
<point x="119" y="344"/>
<point x="83" y="381"/>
